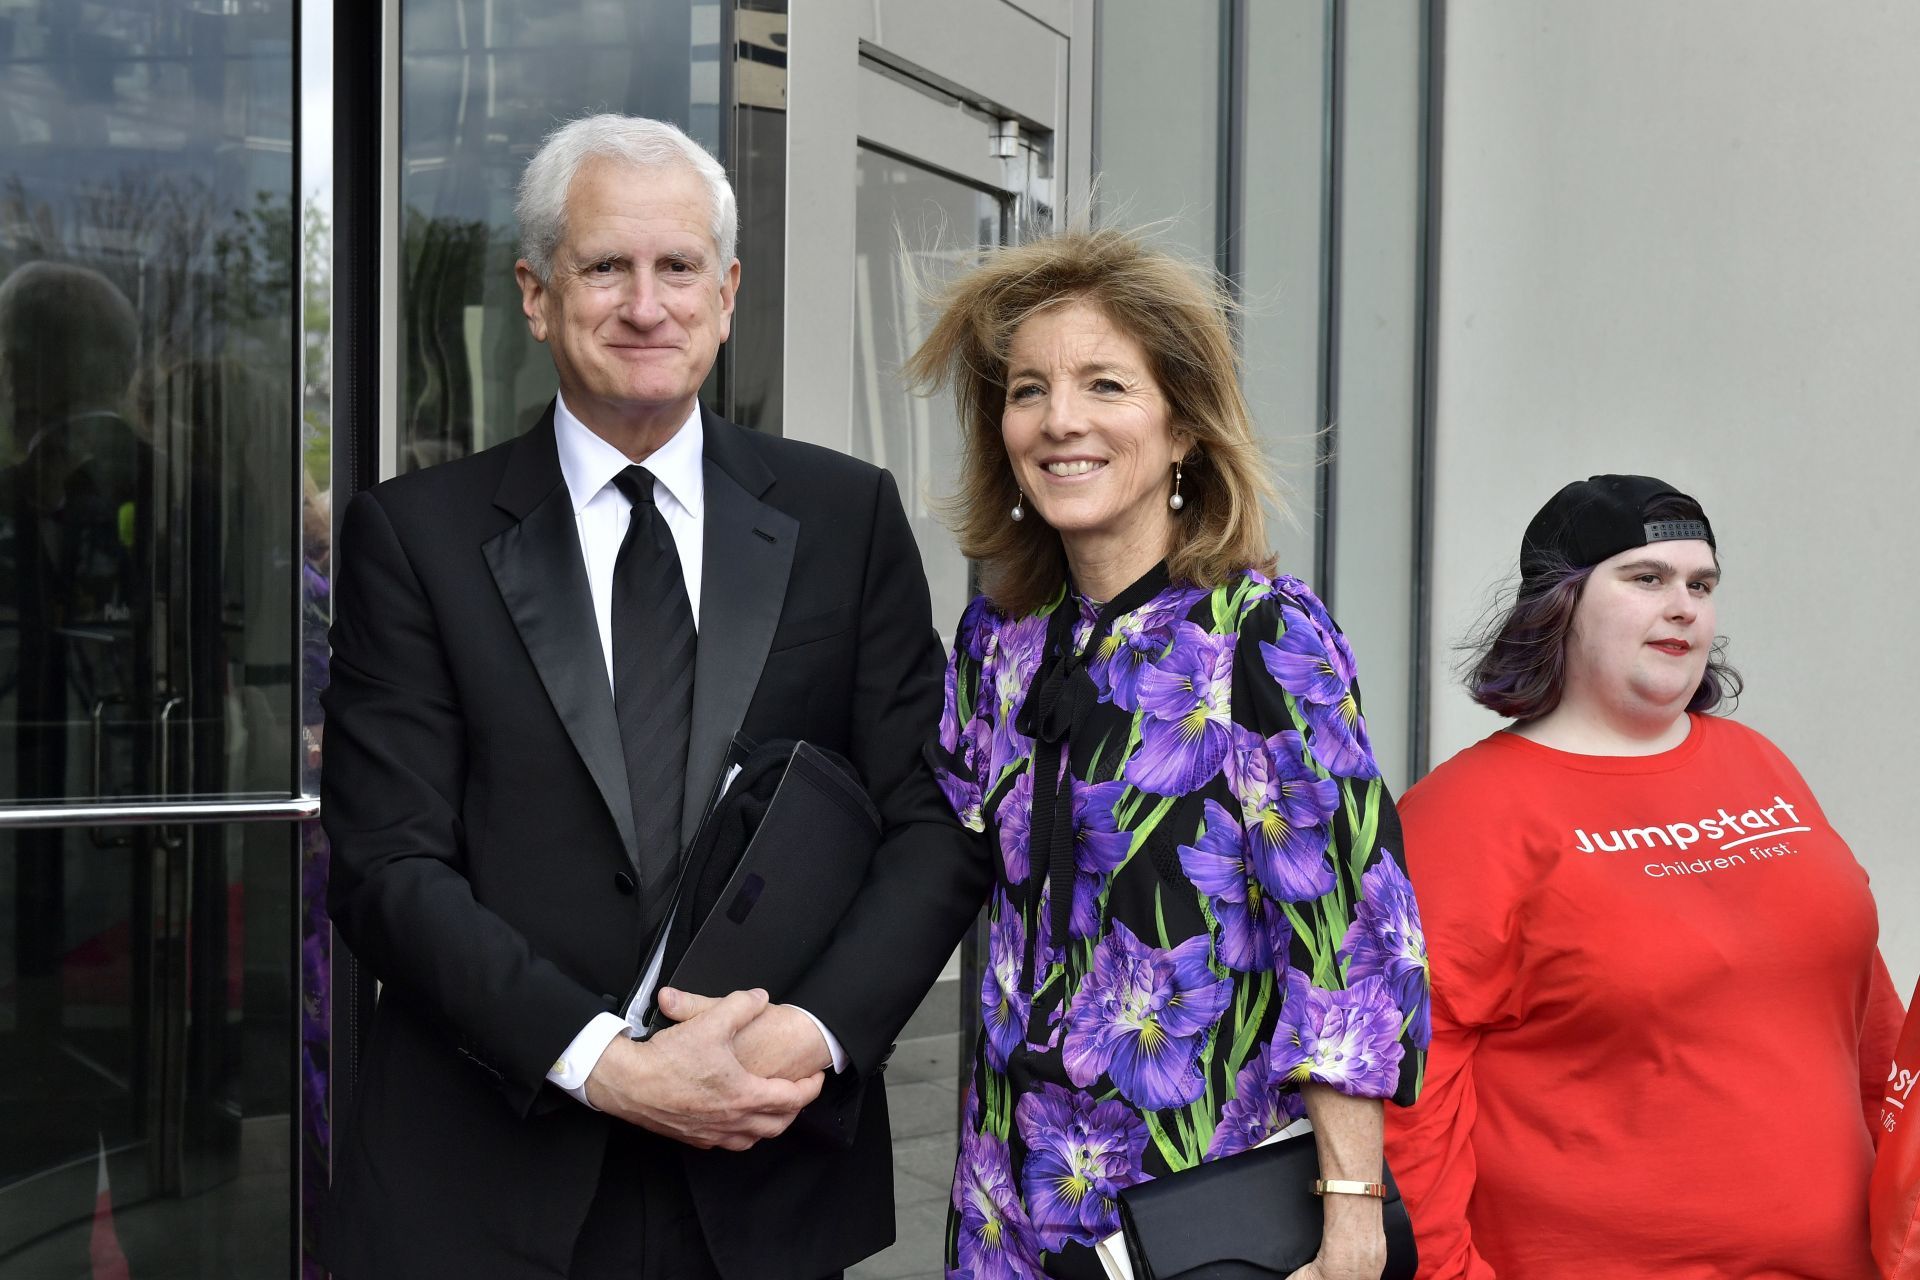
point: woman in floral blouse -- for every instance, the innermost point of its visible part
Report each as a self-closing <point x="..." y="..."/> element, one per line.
<point x="1201" y="927"/>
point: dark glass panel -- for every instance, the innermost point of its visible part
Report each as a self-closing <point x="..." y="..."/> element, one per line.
<point x="147" y="407"/>
<point x="146" y="1007"/>
<point x="148" y="598"/>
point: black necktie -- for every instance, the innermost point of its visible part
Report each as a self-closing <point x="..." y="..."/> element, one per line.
<point x="653" y="648"/>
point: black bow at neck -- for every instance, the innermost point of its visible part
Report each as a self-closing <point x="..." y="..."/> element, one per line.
<point x="1060" y="696"/>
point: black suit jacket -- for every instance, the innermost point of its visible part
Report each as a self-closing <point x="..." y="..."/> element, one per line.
<point x="483" y="844"/>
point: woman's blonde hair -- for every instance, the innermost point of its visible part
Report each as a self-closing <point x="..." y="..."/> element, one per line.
<point x="1178" y="315"/>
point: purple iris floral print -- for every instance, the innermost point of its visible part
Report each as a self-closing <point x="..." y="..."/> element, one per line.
<point x="1045" y="956"/>
<point x="950" y="706"/>
<point x="970" y="641"/>
<point x="1089" y="613"/>
<point x="1313" y="663"/>
<point x="995" y="1239"/>
<point x="1186" y="696"/>
<point x="1044" y="952"/>
<point x="1004" y="678"/>
<point x="1016" y="823"/>
<point x="1285" y="806"/>
<point x="1140" y="1017"/>
<point x="975" y="629"/>
<point x="1347" y="1039"/>
<point x="1156" y="995"/>
<point x="1254" y="933"/>
<point x="1099" y="847"/>
<point x="1385" y="939"/>
<point x="962" y="786"/>
<point x="963" y="793"/>
<point x="1260" y="1107"/>
<point x="1080" y="1153"/>
<point x="1003" y="1005"/>
<point x="1137" y="640"/>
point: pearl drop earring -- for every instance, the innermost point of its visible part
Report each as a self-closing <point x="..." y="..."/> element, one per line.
<point x="1019" y="512"/>
<point x="1176" y="501"/>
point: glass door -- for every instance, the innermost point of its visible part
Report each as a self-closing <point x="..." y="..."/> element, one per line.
<point x="150" y="607"/>
<point x="914" y="227"/>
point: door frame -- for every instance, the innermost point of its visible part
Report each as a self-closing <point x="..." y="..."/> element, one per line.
<point x="911" y="77"/>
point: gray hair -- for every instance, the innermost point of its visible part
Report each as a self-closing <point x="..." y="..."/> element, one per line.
<point x="633" y="140"/>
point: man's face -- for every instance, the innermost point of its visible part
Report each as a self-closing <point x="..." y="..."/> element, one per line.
<point x="638" y="302"/>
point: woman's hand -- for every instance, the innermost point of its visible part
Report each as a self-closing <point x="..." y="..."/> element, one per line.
<point x="1353" y="1243"/>
<point x="1351" y="1254"/>
<point x="1320" y="1270"/>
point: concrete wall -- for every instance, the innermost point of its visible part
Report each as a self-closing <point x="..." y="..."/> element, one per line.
<point x="1679" y="239"/>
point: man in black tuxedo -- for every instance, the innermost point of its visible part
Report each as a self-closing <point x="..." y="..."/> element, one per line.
<point x="541" y="654"/>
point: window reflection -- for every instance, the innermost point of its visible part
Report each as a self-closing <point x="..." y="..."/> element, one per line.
<point x="146" y="304"/>
<point x="913" y="229"/>
<point x="315" y="930"/>
<point x="148" y="555"/>
<point x="752" y="363"/>
<point x="482" y="84"/>
<point x="145" y="1007"/>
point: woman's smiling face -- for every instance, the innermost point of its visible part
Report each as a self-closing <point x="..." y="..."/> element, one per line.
<point x="1091" y="437"/>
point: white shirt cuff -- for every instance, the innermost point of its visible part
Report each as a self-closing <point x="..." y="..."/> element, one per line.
<point x="580" y="1058"/>
<point x="838" y="1054"/>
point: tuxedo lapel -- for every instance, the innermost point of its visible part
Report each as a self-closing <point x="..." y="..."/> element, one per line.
<point x="746" y="558"/>
<point x="538" y="568"/>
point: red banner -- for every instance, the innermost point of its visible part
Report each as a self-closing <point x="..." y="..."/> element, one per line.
<point x="1894" y="1196"/>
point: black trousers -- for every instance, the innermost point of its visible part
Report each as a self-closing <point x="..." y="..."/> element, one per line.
<point x="642" y="1224"/>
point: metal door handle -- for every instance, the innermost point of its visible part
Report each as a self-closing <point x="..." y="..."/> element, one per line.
<point x="172" y="839"/>
<point x="97" y="717"/>
<point x="173" y="812"/>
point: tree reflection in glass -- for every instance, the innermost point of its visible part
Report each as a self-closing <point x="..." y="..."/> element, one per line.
<point x="482" y="83"/>
<point x="148" y="423"/>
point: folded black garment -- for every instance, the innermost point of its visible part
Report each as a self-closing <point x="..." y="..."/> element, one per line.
<point x="777" y="860"/>
<point x="1251" y="1216"/>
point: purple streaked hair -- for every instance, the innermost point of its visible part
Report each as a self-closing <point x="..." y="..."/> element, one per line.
<point x="1517" y="660"/>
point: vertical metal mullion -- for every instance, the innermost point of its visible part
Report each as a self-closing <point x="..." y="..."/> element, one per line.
<point x="296" y="474"/>
<point x="387" y="192"/>
<point x="360" y="102"/>
<point x="168" y="1029"/>
<point x="296" y="639"/>
<point x="1433" y="15"/>
<point x="356" y="260"/>
<point x="1230" y="221"/>
<point x="1326" y="453"/>
<point x="728" y="112"/>
<point x="751" y="375"/>
<point x="1096" y="91"/>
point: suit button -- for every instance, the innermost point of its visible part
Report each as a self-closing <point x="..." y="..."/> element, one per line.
<point x="623" y="882"/>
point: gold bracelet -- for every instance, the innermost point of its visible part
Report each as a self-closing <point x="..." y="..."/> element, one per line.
<point x="1345" y="1187"/>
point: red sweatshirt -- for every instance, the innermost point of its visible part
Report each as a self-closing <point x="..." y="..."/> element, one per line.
<point x="1660" y="1017"/>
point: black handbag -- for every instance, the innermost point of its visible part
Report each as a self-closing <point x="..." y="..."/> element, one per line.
<point x="1250" y="1216"/>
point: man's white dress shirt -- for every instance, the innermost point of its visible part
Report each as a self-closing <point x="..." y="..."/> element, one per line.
<point x="601" y="514"/>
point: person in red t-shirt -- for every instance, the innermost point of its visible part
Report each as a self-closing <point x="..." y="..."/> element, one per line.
<point x="1660" y="1016"/>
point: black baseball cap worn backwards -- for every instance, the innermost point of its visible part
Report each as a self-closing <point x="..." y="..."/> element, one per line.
<point x="1597" y="518"/>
